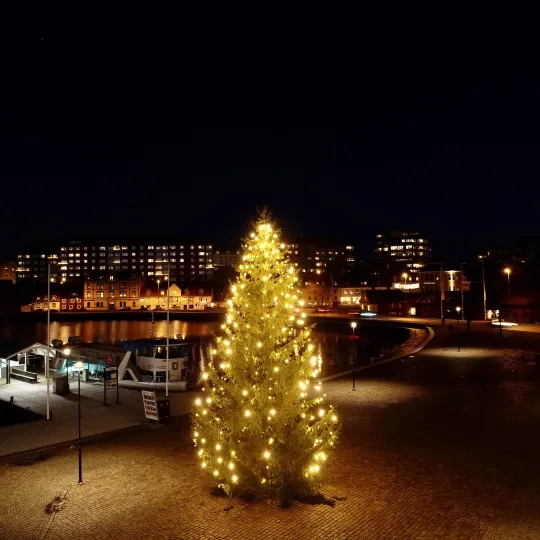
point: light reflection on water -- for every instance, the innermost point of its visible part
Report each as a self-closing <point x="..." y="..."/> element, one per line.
<point x="335" y="348"/>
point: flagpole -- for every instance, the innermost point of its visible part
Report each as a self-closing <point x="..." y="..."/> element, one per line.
<point x="47" y="360"/>
<point x="168" y="304"/>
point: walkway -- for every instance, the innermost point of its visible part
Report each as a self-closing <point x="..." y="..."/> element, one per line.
<point x="63" y="427"/>
<point x="443" y="445"/>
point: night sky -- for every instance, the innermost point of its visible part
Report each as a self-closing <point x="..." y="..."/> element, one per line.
<point x="129" y="129"/>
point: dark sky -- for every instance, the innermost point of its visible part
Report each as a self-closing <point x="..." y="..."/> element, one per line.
<point x="159" y="122"/>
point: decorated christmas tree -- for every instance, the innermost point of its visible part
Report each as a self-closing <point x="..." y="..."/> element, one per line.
<point x="262" y="426"/>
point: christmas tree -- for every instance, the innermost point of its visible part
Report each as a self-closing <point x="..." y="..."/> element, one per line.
<point x="262" y="426"/>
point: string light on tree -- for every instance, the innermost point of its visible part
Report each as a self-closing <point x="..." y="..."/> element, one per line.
<point x="264" y="413"/>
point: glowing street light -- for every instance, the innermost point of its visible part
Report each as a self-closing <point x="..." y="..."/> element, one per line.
<point x="404" y="276"/>
<point x="507" y="271"/>
<point x="458" y="309"/>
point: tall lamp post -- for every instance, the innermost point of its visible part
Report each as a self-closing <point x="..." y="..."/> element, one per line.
<point x="79" y="366"/>
<point x="507" y="272"/>
<point x="168" y="321"/>
<point x="458" y="309"/>
<point x="353" y="326"/>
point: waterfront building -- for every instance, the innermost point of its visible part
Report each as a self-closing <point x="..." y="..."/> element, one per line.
<point x="189" y="261"/>
<point x="112" y="292"/>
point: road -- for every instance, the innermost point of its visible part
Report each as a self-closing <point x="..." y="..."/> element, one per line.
<point x="438" y="445"/>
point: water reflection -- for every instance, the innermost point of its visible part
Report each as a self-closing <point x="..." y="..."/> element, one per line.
<point x="336" y="347"/>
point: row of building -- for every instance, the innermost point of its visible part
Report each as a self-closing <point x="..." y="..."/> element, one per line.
<point x="115" y="293"/>
<point x="196" y="261"/>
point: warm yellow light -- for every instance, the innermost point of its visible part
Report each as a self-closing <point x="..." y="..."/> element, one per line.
<point x="205" y="376"/>
<point x="270" y="440"/>
<point x="334" y="418"/>
<point x="273" y="412"/>
<point x="321" y="412"/>
<point x="196" y="434"/>
<point x="266" y="454"/>
<point x="200" y="452"/>
<point x="276" y="369"/>
<point x="198" y="401"/>
<point x="216" y="472"/>
<point x="263" y="480"/>
<point x="218" y="447"/>
<point x="228" y="351"/>
<point x="208" y="400"/>
<point x="203" y="465"/>
<point x="507" y="271"/>
<point x="313" y="361"/>
<point x="244" y="392"/>
<point x="67" y="351"/>
<point x="353" y="324"/>
<point x="234" y="478"/>
<point x="404" y="275"/>
<point x="259" y="344"/>
<point x="247" y="413"/>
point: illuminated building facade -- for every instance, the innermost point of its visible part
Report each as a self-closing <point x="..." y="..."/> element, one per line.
<point x="32" y="266"/>
<point x="314" y="256"/>
<point x="404" y="250"/>
<point x="76" y="261"/>
<point x="111" y="292"/>
<point x="453" y="280"/>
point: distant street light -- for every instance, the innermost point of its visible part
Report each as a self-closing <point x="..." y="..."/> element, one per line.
<point x="353" y="326"/>
<point x="507" y="271"/>
<point x="79" y="366"/>
<point x="458" y="309"/>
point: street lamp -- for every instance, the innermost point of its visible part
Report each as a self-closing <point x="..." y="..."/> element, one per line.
<point x="404" y="276"/>
<point x="353" y="326"/>
<point x="78" y="366"/>
<point x="458" y="309"/>
<point x="507" y="272"/>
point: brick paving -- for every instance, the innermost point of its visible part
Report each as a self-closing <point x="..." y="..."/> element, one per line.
<point x="441" y="445"/>
<point x="96" y="418"/>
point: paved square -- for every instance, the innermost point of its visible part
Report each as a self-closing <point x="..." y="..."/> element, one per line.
<point x="442" y="445"/>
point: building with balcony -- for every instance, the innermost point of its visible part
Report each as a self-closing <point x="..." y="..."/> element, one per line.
<point x="402" y="250"/>
<point x="189" y="262"/>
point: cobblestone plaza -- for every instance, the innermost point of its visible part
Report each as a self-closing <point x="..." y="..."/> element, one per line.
<point x="440" y="445"/>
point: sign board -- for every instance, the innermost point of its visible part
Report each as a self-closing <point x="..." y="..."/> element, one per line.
<point x="150" y="405"/>
<point x="111" y="377"/>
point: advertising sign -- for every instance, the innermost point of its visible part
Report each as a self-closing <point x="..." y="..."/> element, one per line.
<point x="150" y="405"/>
<point x="111" y="377"/>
